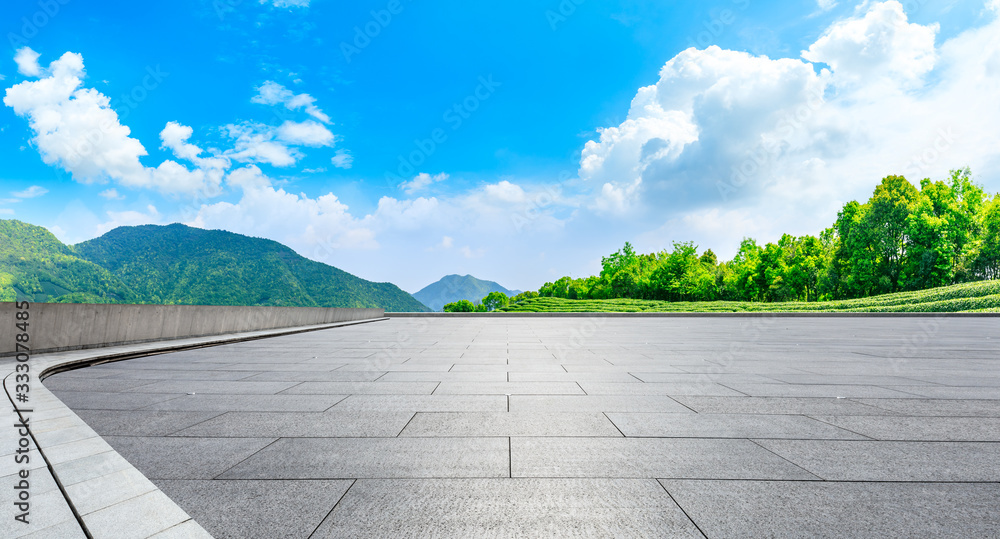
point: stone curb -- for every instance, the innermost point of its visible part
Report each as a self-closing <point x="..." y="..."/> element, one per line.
<point x="80" y="486"/>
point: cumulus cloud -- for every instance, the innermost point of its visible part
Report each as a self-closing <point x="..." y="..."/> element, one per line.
<point x="130" y="218"/>
<point x="111" y="194"/>
<point x="307" y="133"/>
<point x="342" y="159"/>
<point x="272" y="93"/>
<point x="422" y="181"/>
<point x="31" y="192"/>
<point x="27" y="62"/>
<point x="725" y="134"/>
<point x="286" y="3"/>
<point x="76" y="129"/>
<point x="879" y="46"/>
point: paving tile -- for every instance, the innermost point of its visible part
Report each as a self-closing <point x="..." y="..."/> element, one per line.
<point x="828" y="509"/>
<point x="506" y="508"/>
<point x="108" y="490"/>
<point x="424" y="403"/>
<point x="817" y="390"/>
<point x="142" y="422"/>
<point x="779" y="405"/>
<point x="317" y="376"/>
<point x="937" y="407"/>
<point x="943" y="429"/>
<point x="138" y="517"/>
<point x="726" y="426"/>
<point x="705" y="387"/>
<point x="443" y="376"/>
<point x="247" y="508"/>
<point x="249" y="403"/>
<point x="354" y="458"/>
<point x="595" y="403"/>
<point x="185" y="458"/>
<point x="892" y="461"/>
<point x="475" y="424"/>
<point x="648" y="457"/>
<point x="330" y="424"/>
<point x="508" y="388"/>
<point x="362" y="388"/>
<point x="217" y="387"/>
<point x="88" y="400"/>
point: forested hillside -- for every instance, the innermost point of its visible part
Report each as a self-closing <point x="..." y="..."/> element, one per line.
<point x="36" y="266"/>
<point x="185" y="265"/>
<point x="177" y="264"/>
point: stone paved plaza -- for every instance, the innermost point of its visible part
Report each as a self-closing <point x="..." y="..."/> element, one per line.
<point x="570" y="426"/>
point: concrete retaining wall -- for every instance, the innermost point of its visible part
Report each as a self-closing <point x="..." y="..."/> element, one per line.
<point x="68" y="326"/>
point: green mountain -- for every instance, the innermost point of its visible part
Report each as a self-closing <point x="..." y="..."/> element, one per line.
<point x="455" y="287"/>
<point x="35" y="266"/>
<point x="177" y="264"/>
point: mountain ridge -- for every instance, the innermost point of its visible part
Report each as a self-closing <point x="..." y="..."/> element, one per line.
<point x="178" y="264"/>
<point x="451" y="288"/>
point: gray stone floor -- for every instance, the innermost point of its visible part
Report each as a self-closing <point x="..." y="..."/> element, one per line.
<point x="624" y="427"/>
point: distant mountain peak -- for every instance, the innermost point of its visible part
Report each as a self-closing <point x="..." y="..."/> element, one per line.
<point x="454" y="287"/>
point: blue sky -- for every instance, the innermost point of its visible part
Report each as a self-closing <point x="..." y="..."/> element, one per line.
<point x="517" y="141"/>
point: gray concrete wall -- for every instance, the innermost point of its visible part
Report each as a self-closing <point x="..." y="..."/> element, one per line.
<point x="71" y="326"/>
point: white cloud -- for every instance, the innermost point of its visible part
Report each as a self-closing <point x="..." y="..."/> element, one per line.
<point x="826" y="5"/>
<point x="31" y="192"/>
<point x="76" y="129"/>
<point x="286" y="3"/>
<point x="446" y="243"/>
<point x="315" y="227"/>
<point x="469" y="252"/>
<point x="111" y="194"/>
<point x="505" y="191"/>
<point x="27" y="62"/>
<point x="421" y="181"/>
<point x="344" y="159"/>
<point x="307" y="133"/>
<point x="272" y="93"/>
<point x="727" y="144"/>
<point x="880" y="46"/>
<point x="6" y="211"/>
<point x="253" y="142"/>
<point x="130" y="218"/>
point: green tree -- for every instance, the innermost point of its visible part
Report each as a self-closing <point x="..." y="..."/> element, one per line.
<point x="494" y="301"/>
<point x="460" y="306"/>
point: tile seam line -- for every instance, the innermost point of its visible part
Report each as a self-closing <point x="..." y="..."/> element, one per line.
<point x="679" y="506"/>
<point x="332" y="509"/>
<point x="782" y="457"/>
<point x="48" y="465"/>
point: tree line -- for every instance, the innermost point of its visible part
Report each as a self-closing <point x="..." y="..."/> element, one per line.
<point x="902" y="238"/>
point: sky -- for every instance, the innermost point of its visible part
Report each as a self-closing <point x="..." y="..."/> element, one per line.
<point x="517" y="141"/>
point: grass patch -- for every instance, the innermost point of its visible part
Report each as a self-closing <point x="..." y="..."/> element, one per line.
<point x="983" y="296"/>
